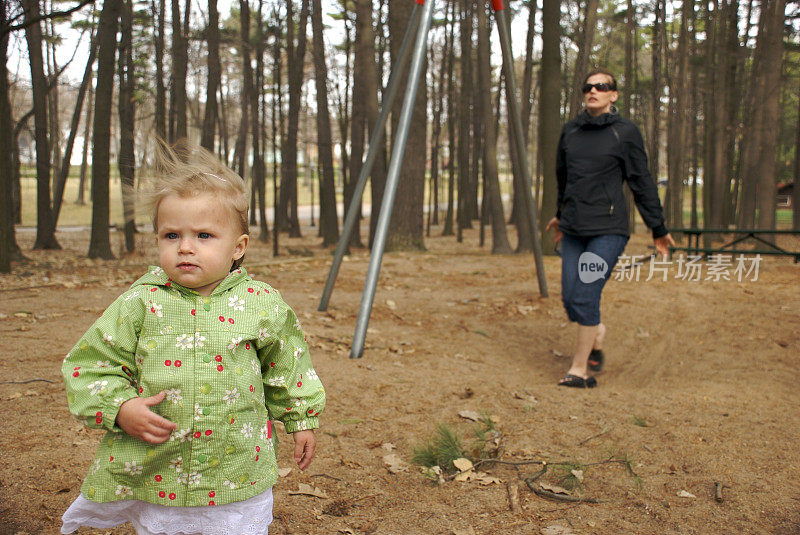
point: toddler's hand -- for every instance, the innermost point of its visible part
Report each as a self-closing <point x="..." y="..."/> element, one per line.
<point x="136" y="419"/>
<point x="305" y="445"/>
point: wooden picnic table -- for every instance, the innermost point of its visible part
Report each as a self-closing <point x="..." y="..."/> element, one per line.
<point x="733" y="247"/>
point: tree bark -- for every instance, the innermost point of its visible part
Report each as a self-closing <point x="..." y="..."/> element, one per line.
<point x="180" y="64"/>
<point x="159" y="14"/>
<point x="214" y="69"/>
<point x="494" y="202"/>
<point x="549" y="117"/>
<point x="451" y="129"/>
<point x="584" y="44"/>
<point x="329" y="221"/>
<point x="8" y="241"/>
<point x="100" y="240"/>
<point x="45" y="236"/>
<point x="406" y="227"/>
<point x="127" y="123"/>
<point x="287" y="206"/>
<point x="464" y="130"/>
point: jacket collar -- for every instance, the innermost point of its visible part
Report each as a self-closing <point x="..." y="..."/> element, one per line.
<point x="156" y="276"/>
<point x="585" y="120"/>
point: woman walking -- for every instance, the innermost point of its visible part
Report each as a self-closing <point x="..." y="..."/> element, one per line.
<point x="597" y="151"/>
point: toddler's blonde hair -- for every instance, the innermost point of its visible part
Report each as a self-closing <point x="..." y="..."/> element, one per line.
<point x="186" y="170"/>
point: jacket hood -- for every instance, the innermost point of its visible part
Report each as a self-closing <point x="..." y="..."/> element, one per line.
<point x="156" y="276"/>
<point x="584" y="120"/>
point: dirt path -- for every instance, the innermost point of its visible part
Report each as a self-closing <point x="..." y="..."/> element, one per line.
<point x="700" y="387"/>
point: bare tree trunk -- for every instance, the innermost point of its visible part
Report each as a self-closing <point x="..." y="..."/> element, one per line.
<point x="8" y="241"/>
<point x="127" y="123"/>
<point x="406" y="227"/>
<point x="494" y="202"/>
<point x="161" y="99"/>
<point x="100" y="241"/>
<point x="549" y="118"/>
<point x="87" y="131"/>
<point x="214" y="69"/>
<point x="772" y="61"/>
<point x="45" y="237"/>
<point x="451" y="129"/>
<point x="364" y="88"/>
<point x="584" y="44"/>
<point x="677" y="126"/>
<point x="464" y="131"/>
<point x="287" y="207"/>
<point x="180" y="60"/>
<point x="329" y="221"/>
<point x="796" y="184"/>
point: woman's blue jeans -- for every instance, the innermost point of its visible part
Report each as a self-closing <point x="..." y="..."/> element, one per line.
<point x="586" y="265"/>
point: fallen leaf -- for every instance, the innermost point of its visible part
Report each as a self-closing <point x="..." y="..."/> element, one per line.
<point x="554" y="489"/>
<point x="307" y="490"/>
<point x="486" y="479"/>
<point x="463" y="464"/>
<point x="578" y="474"/>
<point x="525" y="397"/>
<point x="557" y="353"/>
<point x="388" y="446"/>
<point x="470" y="415"/>
<point x="350" y="421"/>
<point x="686" y="494"/>
<point x="391" y="304"/>
<point x="394" y="463"/>
<point x="463" y="477"/>
<point x="283" y="472"/>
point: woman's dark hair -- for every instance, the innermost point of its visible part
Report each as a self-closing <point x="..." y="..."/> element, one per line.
<point x="601" y="71"/>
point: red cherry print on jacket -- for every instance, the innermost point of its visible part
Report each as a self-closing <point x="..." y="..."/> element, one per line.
<point x="218" y="358"/>
<point x="111" y="458"/>
<point x="252" y="389"/>
<point x="222" y="319"/>
<point x="256" y="457"/>
<point x="153" y="289"/>
<point x="230" y="320"/>
<point x="310" y="411"/>
<point x="212" y="494"/>
<point x="193" y="312"/>
<point x="211" y="502"/>
<point x="208" y="432"/>
<point x="250" y="290"/>
<point x="219" y="368"/>
<point x="141" y="390"/>
<point x="177" y="364"/>
<point x="75" y="374"/>
<point x="197" y="434"/>
<point x="167" y="362"/>
<point x="258" y="448"/>
<point x="158" y="478"/>
<point x="271" y="364"/>
<point x="247" y="345"/>
<point x="162" y="494"/>
<point x="171" y="495"/>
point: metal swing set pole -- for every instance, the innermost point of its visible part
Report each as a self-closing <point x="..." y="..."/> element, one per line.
<point x="420" y="23"/>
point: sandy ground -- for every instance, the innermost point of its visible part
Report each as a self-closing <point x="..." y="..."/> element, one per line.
<point x="700" y="387"/>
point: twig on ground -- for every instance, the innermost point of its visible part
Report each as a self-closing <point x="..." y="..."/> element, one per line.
<point x="601" y="433"/>
<point x="513" y="497"/>
<point x="718" y="486"/>
<point x="26" y="381"/>
<point x="326" y="475"/>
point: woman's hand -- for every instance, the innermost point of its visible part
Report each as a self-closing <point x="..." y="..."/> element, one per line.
<point x="305" y="446"/>
<point x="136" y="419"/>
<point x="553" y="224"/>
<point x="663" y="244"/>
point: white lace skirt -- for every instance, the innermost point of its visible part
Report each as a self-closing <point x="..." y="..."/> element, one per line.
<point x="250" y="517"/>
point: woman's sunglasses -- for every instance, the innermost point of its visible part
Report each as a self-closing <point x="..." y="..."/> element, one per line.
<point x="602" y="87"/>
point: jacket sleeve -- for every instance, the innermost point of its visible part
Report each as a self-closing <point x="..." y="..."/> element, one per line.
<point x="561" y="173"/>
<point x="100" y="371"/>
<point x="637" y="174"/>
<point x="294" y="394"/>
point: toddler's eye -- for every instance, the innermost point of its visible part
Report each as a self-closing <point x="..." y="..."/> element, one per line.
<point x="204" y="235"/>
<point x="171" y="235"/>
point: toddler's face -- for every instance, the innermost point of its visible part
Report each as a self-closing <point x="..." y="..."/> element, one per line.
<point x="198" y="241"/>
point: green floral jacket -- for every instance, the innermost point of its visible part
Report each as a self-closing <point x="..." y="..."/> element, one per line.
<point x="228" y="363"/>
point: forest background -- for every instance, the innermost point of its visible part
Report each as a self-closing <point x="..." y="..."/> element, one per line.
<point x="289" y="103"/>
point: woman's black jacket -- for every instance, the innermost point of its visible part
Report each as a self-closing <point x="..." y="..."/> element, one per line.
<point x="595" y="154"/>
